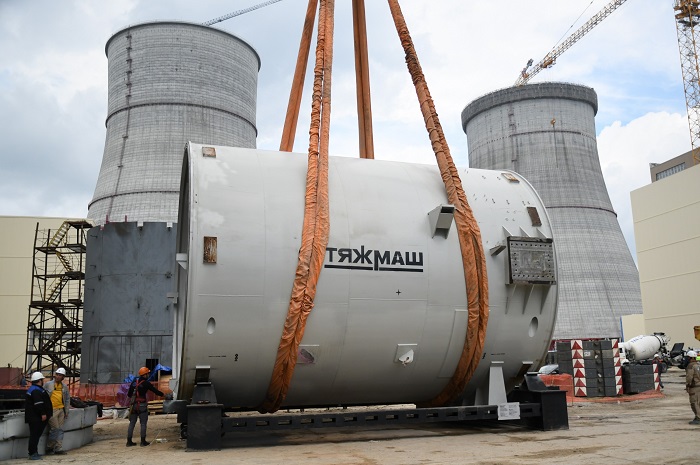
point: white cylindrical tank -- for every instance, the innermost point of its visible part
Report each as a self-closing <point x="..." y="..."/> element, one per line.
<point x="390" y="316"/>
<point x="644" y="347"/>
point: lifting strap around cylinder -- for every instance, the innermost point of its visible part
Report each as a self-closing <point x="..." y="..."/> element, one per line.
<point x="316" y="223"/>
<point x="470" y="243"/>
<point x="364" y="103"/>
<point x="290" y="121"/>
<point x="316" y="227"/>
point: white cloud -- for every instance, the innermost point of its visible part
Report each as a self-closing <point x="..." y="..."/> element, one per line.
<point x="53" y="77"/>
<point x="625" y="152"/>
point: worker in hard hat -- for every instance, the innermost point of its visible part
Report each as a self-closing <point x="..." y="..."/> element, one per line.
<point x="692" y="384"/>
<point x="60" y="401"/>
<point x="37" y="411"/>
<point x="139" y="405"/>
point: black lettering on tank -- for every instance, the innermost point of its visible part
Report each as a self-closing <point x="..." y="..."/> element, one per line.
<point x="381" y="258"/>
<point x="398" y="259"/>
<point x="362" y="255"/>
<point x="330" y="253"/>
<point x="345" y="254"/>
<point x="411" y="259"/>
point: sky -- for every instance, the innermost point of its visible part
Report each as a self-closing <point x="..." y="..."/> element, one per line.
<point x="53" y="82"/>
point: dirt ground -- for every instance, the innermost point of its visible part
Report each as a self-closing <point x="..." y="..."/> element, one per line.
<point x="641" y="432"/>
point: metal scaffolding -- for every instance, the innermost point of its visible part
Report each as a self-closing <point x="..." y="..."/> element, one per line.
<point x="55" y="323"/>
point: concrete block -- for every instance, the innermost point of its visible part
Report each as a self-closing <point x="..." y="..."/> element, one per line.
<point x="77" y="438"/>
<point x="6" y="450"/>
<point x="89" y="416"/>
<point x="20" y="446"/>
<point x="13" y="426"/>
<point x="74" y="420"/>
<point x="16" y="433"/>
<point x="610" y="391"/>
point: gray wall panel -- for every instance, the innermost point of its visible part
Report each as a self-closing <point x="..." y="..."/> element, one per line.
<point x="128" y="316"/>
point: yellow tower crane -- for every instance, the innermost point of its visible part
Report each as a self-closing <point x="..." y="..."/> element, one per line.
<point x="687" y="14"/>
<point x="550" y="59"/>
<point x="687" y="20"/>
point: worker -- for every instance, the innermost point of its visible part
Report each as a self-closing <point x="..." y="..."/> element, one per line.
<point x="60" y="401"/>
<point x="692" y="384"/>
<point x="37" y="411"/>
<point x="139" y="406"/>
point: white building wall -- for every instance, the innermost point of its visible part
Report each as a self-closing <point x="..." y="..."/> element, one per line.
<point x="632" y="326"/>
<point x="16" y="260"/>
<point x="667" y="232"/>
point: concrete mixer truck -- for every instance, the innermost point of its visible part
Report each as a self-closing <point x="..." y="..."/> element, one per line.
<point x="643" y="347"/>
<point x="646" y="350"/>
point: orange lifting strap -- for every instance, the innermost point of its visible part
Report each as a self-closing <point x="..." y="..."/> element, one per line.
<point x="470" y="244"/>
<point x="316" y="218"/>
<point x="314" y="237"/>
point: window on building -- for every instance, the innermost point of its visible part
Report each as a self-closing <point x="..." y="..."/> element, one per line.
<point x="668" y="172"/>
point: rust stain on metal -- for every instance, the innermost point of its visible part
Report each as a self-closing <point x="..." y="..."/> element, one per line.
<point x="209" y="249"/>
<point x="534" y="216"/>
<point x="510" y="177"/>
<point x="209" y="152"/>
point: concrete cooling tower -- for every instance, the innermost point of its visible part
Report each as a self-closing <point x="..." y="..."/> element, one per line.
<point x="169" y="82"/>
<point x="546" y="132"/>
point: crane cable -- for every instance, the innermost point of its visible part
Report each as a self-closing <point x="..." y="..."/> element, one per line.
<point x="238" y="13"/>
<point x="473" y="258"/>
<point x="550" y="58"/>
<point x="571" y="27"/>
<point x="316" y="223"/>
<point x="292" y="117"/>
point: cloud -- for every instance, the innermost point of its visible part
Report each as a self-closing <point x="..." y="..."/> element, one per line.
<point x="625" y="152"/>
<point x="53" y="82"/>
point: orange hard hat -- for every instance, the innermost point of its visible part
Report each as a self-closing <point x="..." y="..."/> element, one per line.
<point x="144" y="371"/>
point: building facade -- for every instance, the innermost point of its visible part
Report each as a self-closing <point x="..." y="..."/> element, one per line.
<point x="667" y="232"/>
<point x="675" y="165"/>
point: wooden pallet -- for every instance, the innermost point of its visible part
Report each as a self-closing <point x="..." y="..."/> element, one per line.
<point x="155" y="407"/>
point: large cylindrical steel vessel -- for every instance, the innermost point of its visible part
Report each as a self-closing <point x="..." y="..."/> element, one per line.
<point x="546" y="132"/>
<point x="169" y="82"/>
<point x="390" y="316"/>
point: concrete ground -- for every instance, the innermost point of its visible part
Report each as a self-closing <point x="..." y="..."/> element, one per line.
<point x="641" y="432"/>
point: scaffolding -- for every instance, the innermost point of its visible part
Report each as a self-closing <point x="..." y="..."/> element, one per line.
<point x="55" y="323"/>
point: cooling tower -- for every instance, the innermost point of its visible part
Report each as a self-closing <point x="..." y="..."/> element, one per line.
<point x="546" y="132"/>
<point x="169" y="82"/>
